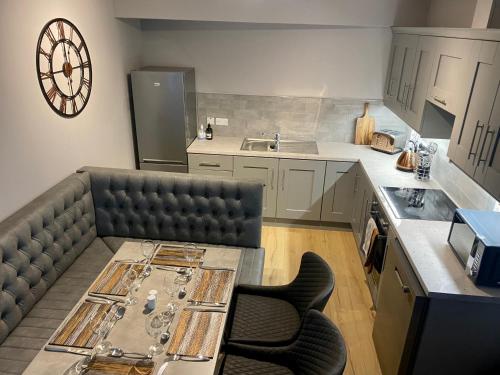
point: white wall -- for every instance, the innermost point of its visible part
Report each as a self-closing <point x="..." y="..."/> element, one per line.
<point x="312" y="12"/>
<point x="37" y="147"/>
<point x="338" y="62"/>
<point x="451" y="13"/>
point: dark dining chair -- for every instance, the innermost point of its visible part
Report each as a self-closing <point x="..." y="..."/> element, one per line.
<point x="272" y="315"/>
<point x="318" y="350"/>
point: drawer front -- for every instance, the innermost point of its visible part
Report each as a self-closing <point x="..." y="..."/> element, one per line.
<point x="209" y="172"/>
<point x="210" y="162"/>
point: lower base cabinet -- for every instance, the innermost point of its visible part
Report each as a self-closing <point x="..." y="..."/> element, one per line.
<point x="300" y="189"/>
<point x="264" y="170"/>
<point x="362" y="198"/>
<point x="338" y="192"/>
<point x="400" y="312"/>
<point x="296" y="189"/>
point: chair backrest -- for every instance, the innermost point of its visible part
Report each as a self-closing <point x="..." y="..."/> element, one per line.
<point x="319" y="349"/>
<point x="176" y="207"/>
<point x="313" y="285"/>
<point x="39" y="242"/>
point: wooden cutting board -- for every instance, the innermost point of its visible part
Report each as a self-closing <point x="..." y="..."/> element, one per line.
<point x="365" y="127"/>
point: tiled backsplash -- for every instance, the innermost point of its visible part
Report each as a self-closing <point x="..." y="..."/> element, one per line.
<point x="328" y="119"/>
<point x="461" y="187"/>
<point x="323" y="119"/>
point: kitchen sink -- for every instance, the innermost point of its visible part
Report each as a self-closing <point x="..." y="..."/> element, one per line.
<point x="269" y="145"/>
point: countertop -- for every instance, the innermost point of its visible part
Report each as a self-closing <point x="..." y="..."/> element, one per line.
<point x="424" y="242"/>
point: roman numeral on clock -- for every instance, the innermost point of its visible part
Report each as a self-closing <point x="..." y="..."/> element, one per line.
<point x="46" y="54"/>
<point x="47" y="75"/>
<point x="62" y="105"/>
<point x="52" y="93"/>
<point x="60" y="29"/>
<point x="50" y="35"/>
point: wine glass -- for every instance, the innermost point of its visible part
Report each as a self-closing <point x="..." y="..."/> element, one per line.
<point x="190" y="253"/>
<point x="148" y="250"/>
<point x="101" y="324"/>
<point x="180" y="281"/>
<point x="79" y="367"/>
<point x="170" y="290"/>
<point x="154" y="328"/>
<point x="131" y="283"/>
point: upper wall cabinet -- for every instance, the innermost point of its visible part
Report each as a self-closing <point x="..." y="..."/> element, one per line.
<point x="400" y="70"/>
<point x="447" y="87"/>
<point x="474" y="144"/>
<point x="410" y="67"/>
<point x="417" y="88"/>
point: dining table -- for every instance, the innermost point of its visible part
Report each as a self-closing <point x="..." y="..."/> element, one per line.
<point x="129" y="333"/>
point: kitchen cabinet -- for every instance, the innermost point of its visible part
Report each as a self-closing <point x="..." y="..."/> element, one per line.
<point x="448" y="81"/>
<point x="413" y="106"/>
<point x="338" y="192"/>
<point x="400" y="71"/>
<point x="363" y="196"/>
<point x="474" y="145"/>
<point x="209" y="164"/>
<point x="300" y="189"/>
<point x="400" y="312"/>
<point x="264" y="170"/>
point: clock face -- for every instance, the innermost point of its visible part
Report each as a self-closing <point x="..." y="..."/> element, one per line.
<point x="63" y="67"/>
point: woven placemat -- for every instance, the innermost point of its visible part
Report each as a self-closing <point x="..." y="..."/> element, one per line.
<point x="196" y="334"/>
<point x="109" y="282"/>
<point x="212" y="286"/>
<point x="174" y="256"/>
<point x="77" y="331"/>
<point x="119" y="366"/>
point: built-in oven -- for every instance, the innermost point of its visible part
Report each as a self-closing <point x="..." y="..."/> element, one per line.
<point x="374" y="245"/>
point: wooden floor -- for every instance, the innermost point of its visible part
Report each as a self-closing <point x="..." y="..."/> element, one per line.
<point x="350" y="305"/>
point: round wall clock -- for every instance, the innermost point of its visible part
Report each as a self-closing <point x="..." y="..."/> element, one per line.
<point x="63" y="67"/>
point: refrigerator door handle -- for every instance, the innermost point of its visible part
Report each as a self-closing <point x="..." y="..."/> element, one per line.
<point x="158" y="161"/>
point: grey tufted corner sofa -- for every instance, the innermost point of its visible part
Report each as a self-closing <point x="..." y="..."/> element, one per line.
<point x="53" y="248"/>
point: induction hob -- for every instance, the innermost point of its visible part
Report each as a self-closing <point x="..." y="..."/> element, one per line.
<point x="419" y="204"/>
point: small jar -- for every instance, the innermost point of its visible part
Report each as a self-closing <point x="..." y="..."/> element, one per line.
<point x="151" y="299"/>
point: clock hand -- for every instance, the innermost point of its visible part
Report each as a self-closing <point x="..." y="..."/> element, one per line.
<point x="64" y="53"/>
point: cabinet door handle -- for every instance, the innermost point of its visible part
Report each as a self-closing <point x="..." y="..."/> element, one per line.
<point x="403" y="98"/>
<point x="283" y="181"/>
<point x="478" y="125"/>
<point x="356" y="182"/>
<point x="493" y="153"/>
<point x="391" y="86"/>
<point x="488" y="132"/>
<point x="439" y="100"/>
<point x="215" y="165"/>
<point x="272" y="179"/>
<point x="410" y="94"/>
<point x="404" y="288"/>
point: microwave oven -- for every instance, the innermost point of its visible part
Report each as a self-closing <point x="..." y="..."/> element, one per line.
<point x="475" y="238"/>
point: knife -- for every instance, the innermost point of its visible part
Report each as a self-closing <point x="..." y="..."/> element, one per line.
<point x="100" y="300"/>
<point x="67" y="350"/>
<point x="106" y="297"/>
<point x="217" y="268"/>
<point x="195" y="308"/>
<point x="206" y="304"/>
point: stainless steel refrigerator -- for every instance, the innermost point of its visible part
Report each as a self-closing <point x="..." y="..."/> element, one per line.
<point x="164" y="110"/>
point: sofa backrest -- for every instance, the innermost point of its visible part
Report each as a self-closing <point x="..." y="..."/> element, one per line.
<point x="39" y="242"/>
<point x="176" y="207"/>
